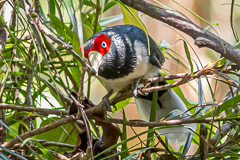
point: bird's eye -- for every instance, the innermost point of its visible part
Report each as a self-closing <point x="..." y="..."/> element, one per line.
<point x="104" y="45"/>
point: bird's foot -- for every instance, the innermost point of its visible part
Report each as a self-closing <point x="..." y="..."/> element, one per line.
<point x="135" y="87"/>
<point x="106" y="104"/>
<point x="140" y="92"/>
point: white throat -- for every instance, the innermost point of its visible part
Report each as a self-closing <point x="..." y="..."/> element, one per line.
<point x="95" y="59"/>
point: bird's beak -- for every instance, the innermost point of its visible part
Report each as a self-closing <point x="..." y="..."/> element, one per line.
<point x="95" y="59"/>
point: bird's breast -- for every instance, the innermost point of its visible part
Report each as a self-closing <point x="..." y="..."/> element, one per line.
<point x="143" y="69"/>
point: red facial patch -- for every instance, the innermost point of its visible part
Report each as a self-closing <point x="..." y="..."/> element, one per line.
<point x="85" y="51"/>
<point x="101" y="44"/>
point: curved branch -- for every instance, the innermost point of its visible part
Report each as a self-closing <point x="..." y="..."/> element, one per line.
<point x="202" y="37"/>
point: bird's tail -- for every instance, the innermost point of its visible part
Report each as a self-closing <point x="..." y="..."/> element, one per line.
<point x="169" y="105"/>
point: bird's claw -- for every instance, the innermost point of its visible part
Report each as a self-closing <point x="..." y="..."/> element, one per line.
<point x="142" y="93"/>
<point x="135" y="87"/>
<point x="135" y="92"/>
<point x="106" y="104"/>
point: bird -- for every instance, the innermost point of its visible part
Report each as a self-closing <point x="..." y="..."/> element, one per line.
<point x="120" y="56"/>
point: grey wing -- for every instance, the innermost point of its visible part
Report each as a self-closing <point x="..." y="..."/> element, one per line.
<point x="156" y="56"/>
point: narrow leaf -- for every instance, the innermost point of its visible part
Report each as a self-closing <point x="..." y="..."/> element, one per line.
<point x="188" y="56"/>
<point x="124" y="149"/>
<point x="52" y="7"/>
<point x="152" y="115"/>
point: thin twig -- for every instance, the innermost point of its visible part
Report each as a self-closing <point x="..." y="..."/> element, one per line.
<point x="35" y="148"/>
<point x="45" y="144"/>
<point x="65" y="99"/>
<point x="30" y="75"/>
<point x="163" y="143"/>
<point x="34" y="110"/>
<point x="51" y="48"/>
<point x="185" y="78"/>
<point x="40" y="130"/>
<point x="68" y="47"/>
<point x="139" y="123"/>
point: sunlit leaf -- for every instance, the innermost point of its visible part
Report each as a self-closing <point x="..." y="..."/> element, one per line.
<point x="121" y="105"/>
<point x="188" y="56"/>
<point x="130" y="16"/>
<point x="52" y="7"/>
<point x="63" y="134"/>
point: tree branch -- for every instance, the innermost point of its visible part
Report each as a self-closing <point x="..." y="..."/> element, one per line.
<point x="186" y="77"/>
<point x="135" y="123"/>
<point x="35" y="148"/>
<point x="40" y="130"/>
<point x="202" y="37"/>
<point x="127" y="92"/>
<point x="140" y="123"/>
<point x="34" y="110"/>
<point x="46" y="144"/>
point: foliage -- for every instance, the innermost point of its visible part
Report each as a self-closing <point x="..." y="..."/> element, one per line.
<point x="39" y="69"/>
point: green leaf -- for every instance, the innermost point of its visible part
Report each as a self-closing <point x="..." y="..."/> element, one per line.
<point x="88" y="32"/>
<point x="68" y="6"/>
<point x="109" y="5"/>
<point x="76" y="44"/>
<point x="124" y="149"/>
<point x="8" y="46"/>
<point x="64" y="134"/>
<point x="9" y="129"/>
<point x="122" y="104"/>
<point x="130" y="16"/>
<point x="229" y="104"/>
<point x="222" y="62"/>
<point x="188" y="56"/>
<point x="44" y="150"/>
<point x="76" y="72"/>
<point x="131" y="138"/>
<point x="46" y="153"/>
<point x="130" y="157"/>
<point x="103" y="6"/>
<point x="152" y="115"/>
<point x="60" y="27"/>
<point x="3" y="157"/>
<point x="52" y="7"/>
